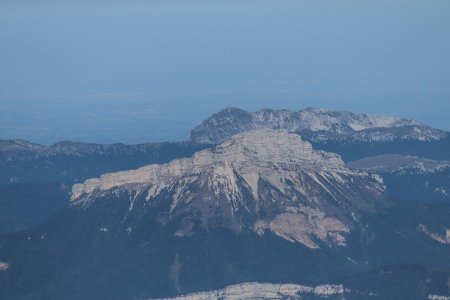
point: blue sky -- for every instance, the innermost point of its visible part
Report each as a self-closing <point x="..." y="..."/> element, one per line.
<point x="135" y="71"/>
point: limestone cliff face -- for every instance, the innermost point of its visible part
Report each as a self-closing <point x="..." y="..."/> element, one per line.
<point x="261" y="180"/>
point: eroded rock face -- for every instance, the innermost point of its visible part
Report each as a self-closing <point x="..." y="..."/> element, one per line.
<point x="261" y="180"/>
<point x="315" y="123"/>
<point x="253" y="290"/>
<point x="303" y="225"/>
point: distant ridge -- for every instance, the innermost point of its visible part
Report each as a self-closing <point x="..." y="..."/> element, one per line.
<point x="315" y="124"/>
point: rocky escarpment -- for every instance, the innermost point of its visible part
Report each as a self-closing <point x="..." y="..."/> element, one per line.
<point x="253" y="290"/>
<point x="315" y="124"/>
<point x="259" y="181"/>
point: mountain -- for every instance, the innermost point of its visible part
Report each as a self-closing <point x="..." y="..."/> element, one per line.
<point x="258" y="180"/>
<point x="263" y="206"/>
<point x="315" y="124"/>
<point x="353" y="136"/>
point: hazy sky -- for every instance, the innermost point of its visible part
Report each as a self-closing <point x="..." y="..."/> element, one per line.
<point x="134" y="71"/>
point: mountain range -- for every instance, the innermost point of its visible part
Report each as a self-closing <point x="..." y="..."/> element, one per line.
<point x="252" y="206"/>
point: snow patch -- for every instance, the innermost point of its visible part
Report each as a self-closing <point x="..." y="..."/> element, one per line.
<point x="3" y="266"/>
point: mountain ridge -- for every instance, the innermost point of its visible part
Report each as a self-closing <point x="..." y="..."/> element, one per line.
<point x="18" y="148"/>
<point x="316" y="124"/>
